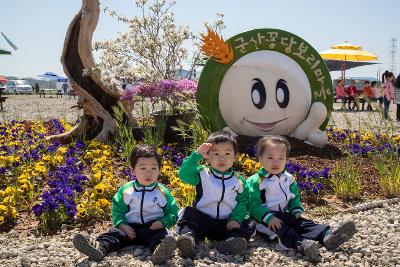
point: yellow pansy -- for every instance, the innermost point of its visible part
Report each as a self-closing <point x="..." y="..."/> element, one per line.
<point x="58" y="158"/>
<point x="102" y="202"/>
<point x="3" y="209"/>
<point x="100" y="188"/>
<point x="62" y="149"/>
<point x="81" y="213"/>
<point x="97" y="175"/>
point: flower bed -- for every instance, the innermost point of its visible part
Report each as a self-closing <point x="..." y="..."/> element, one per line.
<point x="75" y="182"/>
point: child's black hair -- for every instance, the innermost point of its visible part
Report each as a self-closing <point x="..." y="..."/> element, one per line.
<point x="223" y="136"/>
<point x="144" y="151"/>
<point x="373" y="83"/>
<point x="397" y="82"/>
<point x="272" y="139"/>
<point x="366" y="82"/>
<point x="386" y="75"/>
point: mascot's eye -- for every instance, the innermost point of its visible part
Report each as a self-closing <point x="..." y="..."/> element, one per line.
<point x="258" y="94"/>
<point x="282" y="93"/>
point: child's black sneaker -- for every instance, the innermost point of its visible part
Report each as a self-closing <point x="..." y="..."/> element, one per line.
<point x="164" y="250"/>
<point x="232" y="246"/>
<point x="340" y="235"/>
<point x="310" y="249"/>
<point x="88" y="246"/>
<point x="185" y="244"/>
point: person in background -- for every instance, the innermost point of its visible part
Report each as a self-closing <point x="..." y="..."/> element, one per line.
<point x="341" y="93"/>
<point x="397" y="86"/>
<point x="37" y="88"/>
<point x="65" y="88"/>
<point x="388" y="91"/>
<point x="367" y="95"/>
<point x="377" y="94"/>
<point x="352" y="94"/>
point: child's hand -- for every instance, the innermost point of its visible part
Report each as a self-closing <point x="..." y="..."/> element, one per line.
<point x="128" y="230"/>
<point x="156" y="225"/>
<point x="232" y="225"/>
<point x="275" y="224"/>
<point x="203" y="149"/>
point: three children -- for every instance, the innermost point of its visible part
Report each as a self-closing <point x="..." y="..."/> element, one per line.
<point x="143" y="209"/>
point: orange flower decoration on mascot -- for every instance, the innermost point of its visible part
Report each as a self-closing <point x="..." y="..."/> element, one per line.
<point x="215" y="47"/>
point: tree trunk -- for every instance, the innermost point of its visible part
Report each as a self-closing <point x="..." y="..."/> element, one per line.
<point x="94" y="96"/>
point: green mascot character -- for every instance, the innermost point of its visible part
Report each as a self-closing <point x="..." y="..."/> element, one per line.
<point x="265" y="81"/>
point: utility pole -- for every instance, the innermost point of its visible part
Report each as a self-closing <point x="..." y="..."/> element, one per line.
<point x="393" y="54"/>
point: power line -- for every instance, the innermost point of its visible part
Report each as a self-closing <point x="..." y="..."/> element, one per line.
<point x="393" y="54"/>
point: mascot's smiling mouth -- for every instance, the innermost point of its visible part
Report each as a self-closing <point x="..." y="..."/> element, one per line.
<point x="265" y="126"/>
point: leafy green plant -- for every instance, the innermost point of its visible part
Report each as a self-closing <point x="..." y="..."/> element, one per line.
<point x="124" y="136"/>
<point x="51" y="221"/>
<point x="346" y="178"/>
<point x="155" y="135"/>
<point x="388" y="166"/>
<point x="193" y="131"/>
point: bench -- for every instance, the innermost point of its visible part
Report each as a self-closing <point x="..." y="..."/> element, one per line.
<point x="59" y="93"/>
<point x="71" y="93"/>
<point x="44" y="92"/>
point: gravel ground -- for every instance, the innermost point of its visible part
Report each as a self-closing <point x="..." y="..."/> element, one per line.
<point x="375" y="244"/>
<point x="31" y="107"/>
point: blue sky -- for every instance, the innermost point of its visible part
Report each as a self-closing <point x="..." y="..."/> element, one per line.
<point x="38" y="27"/>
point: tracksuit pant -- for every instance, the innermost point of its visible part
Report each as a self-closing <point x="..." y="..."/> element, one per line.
<point x="293" y="230"/>
<point x="201" y="225"/>
<point x="115" y="239"/>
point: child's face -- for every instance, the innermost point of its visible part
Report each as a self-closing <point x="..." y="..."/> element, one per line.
<point x="146" y="170"/>
<point x="274" y="158"/>
<point x="221" y="156"/>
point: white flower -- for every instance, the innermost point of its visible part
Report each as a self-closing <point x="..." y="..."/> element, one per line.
<point x="219" y="22"/>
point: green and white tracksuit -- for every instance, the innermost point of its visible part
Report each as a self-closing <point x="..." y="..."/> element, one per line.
<point x="220" y="198"/>
<point x="278" y="196"/>
<point x="139" y="206"/>
<point x="269" y="193"/>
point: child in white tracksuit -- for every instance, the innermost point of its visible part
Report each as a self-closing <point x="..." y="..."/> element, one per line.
<point x="220" y="206"/>
<point x="274" y="202"/>
<point x="142" y="211"/>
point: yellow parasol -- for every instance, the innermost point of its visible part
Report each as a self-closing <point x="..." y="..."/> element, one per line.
<point x="347" y="51"/>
